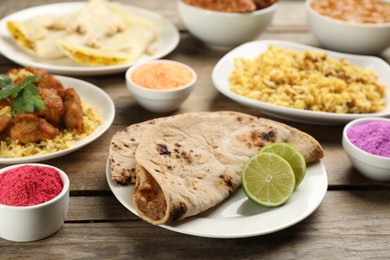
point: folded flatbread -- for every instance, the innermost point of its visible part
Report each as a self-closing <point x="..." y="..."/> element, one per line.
<point x="38" y="35"/>
<point x="107" y="33"/>
<point x="122" y="152"/>
<point x="188" y="163"/>
<point x="100" y="33"/>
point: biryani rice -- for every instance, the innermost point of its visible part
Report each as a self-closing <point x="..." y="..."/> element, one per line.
<point x="66" y="139"/>
<point x="308" y="80"/>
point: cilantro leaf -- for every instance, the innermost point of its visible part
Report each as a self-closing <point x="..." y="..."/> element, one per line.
<point x="7" y="87"/>
<point x="25" y="95"/>
<point x="4" y="80"/>
<point x="17" y="105"/>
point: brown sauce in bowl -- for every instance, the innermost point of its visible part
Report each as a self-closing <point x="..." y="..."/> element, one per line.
<point x="359" y="11"/>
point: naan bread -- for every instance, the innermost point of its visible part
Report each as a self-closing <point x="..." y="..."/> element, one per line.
<point x="188" y="163"/>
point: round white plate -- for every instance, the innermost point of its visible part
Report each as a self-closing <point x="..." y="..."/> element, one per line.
<point x="250" y="50"/>
<point x="166" y="42"/>
<point x="239" y="217"/>
<point x="91" y="95"/>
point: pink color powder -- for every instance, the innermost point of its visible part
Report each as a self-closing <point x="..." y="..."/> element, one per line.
<point x="29" y="185"/>
<point x="372" y="137"/>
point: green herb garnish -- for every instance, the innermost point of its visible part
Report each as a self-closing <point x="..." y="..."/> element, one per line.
<point x="25" y="95"/>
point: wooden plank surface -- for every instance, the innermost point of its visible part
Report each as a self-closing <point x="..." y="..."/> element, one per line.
<point x="352" y="221"/>
<point x="337" y="227"/>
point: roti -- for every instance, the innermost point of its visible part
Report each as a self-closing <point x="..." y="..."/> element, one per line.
<point x="190" y="162"/>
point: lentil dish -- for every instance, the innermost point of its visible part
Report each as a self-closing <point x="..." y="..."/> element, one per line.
<point x="308" y="80"/>
<point x="360" y="11"/>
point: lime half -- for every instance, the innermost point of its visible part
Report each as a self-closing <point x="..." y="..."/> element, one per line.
<point x="291" y="155"/>
<point x="268" y="179"/>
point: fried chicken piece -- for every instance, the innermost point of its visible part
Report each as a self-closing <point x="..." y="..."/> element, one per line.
<point x="261" y="4"/>
<point x="28" y="128"/>
<point x="46" y="80"/>
<point x="5" y="120"/>
<point x="54" y="106"/>
<point x="5" y="102"/>
<point x="73" y="111"/>
<point x="236" y="6"/>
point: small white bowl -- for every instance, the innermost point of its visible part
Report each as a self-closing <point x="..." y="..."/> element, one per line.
<point x="30" y="223"/>
<point x="156" y="100"/>
<point x="223" y="30"/>
<point x="372" y="166"/>
<point x="349" y="37"/>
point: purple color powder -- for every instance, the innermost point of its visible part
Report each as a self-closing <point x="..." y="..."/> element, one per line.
<point x="372" y="137"/>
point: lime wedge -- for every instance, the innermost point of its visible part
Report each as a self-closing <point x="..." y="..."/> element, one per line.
<point x="268" y="179"/>
<point x="291" y="155"/>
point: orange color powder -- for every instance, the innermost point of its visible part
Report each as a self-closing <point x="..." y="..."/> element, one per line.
<point x="161" y="76"/>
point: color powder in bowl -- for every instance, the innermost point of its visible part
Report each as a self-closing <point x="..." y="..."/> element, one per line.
<point x="162" y="76"/>
<point x="372" y="137"/>
<point x="29" y="185"/>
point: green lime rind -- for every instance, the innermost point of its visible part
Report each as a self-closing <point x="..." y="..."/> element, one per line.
<point x="292" y="156"/>
<point x="268" y="179"/>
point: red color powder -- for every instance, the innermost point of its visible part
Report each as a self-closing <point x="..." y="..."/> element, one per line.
<point x="29" y="185"/>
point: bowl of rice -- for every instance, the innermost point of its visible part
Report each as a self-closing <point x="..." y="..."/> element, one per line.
<point x="303" y="83"/>
<point x="351" y="26"/>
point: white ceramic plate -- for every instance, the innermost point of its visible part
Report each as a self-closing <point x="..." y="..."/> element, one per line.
<point x="250" y="50"/>
<point x="239" y="217"/>
<point x="167" y="41"/>
<point x="91" y="95"/>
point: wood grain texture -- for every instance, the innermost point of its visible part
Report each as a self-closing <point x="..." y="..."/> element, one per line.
<point x="352" y="222"/>
<point x="338" y="227"/>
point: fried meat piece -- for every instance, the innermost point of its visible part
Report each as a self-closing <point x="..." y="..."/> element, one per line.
<point x="5" y="120"/>
<point x="54" y="106"/>
<point x="28" y="128"/>
<point x="238" y="6"/>
<point x="73" y="111"/>
<point x="47" y="80"/>
<point x="261" y="4"/>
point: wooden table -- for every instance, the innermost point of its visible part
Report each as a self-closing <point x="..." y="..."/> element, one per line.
<point x="353" y="220"/>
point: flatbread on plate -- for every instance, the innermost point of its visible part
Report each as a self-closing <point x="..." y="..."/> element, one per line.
<point x="100" y="33"/>
<point x="188" y="163"/>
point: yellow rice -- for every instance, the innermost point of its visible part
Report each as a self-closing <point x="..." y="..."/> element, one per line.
<point x="66" y="139"/>
<point x="308" y="80"/>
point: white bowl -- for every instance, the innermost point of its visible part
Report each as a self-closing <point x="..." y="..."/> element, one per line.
<point x="349" y="37"/>
<point x="160" y="101"/>
<point x="30" y="223"/>
<point x="222" y="30"/>
<point x="372" y="166"/>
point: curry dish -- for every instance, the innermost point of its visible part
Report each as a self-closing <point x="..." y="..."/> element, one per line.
<point x="62" y="119"/>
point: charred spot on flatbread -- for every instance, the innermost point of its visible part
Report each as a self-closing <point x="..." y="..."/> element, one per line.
<point x="227" y="182"/>
<point x="259" y="138"/>
<point x="179" y="211"/>
<point x="162" y="149"/>
<point x="183" y="155"/>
